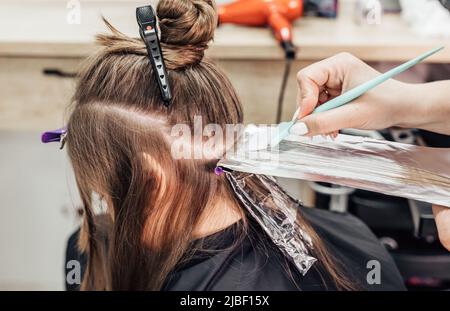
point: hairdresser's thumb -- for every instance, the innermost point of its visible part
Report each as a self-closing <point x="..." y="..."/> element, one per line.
<point x="314" y="124"/>
<point x="330" y="121"/>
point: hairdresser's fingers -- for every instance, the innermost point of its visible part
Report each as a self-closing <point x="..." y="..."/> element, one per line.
<point x="325" y="77"/>
<point x="312" y="81"/>
<point x="323" y="97"/>
<point x="332" y="93"/>
<point x="442" y="218"/>
<point x="308" y="94"/>
<point x="332" y="135"/>
<point x="353" y="115"/>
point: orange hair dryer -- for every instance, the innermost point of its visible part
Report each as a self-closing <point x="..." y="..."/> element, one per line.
<point x="278" y="14"/>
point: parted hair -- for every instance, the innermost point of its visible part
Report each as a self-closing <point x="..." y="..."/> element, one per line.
<point x="119" y="149"/>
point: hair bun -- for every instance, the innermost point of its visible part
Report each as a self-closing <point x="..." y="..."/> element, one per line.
<point x="187" y="26"/>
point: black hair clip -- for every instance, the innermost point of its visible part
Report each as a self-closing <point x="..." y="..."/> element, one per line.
<point x="148" y="29"/>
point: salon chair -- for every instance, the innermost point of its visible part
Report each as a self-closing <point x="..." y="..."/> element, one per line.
<point x="405" y="227"/>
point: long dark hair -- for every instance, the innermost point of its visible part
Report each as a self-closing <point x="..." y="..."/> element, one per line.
<point x="119" y="147"/>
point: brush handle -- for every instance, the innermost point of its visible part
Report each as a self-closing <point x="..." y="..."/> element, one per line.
<point x="365" y="87"/>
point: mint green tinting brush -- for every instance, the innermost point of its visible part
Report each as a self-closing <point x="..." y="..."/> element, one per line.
<point x="284" y="127"/>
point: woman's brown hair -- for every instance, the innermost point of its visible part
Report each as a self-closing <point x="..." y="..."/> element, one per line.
<point x="119" y="145"/>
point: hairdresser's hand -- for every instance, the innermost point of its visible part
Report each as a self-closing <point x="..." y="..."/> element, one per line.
<point x="442" y="217"/>
<point x="324" y="80"/>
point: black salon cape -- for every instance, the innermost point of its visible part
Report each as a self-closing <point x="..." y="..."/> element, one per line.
<point x="256" y="264"/>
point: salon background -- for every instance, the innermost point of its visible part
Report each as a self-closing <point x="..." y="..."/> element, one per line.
<point x="38" y="197"/>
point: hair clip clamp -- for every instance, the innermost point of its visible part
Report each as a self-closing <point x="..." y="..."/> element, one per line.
<point x="58" y="135"/>
<point x="148" y="29"/>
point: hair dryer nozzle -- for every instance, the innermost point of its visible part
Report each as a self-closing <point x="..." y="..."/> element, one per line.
<point x="278" y="14"/>
<point x="289" y="49"/>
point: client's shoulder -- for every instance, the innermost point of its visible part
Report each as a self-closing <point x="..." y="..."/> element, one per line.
<point x="355" y="246"/>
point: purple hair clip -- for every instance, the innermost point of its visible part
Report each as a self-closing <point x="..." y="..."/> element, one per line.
<point x="218" y="170"/>
<point x="58" y="135"/>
